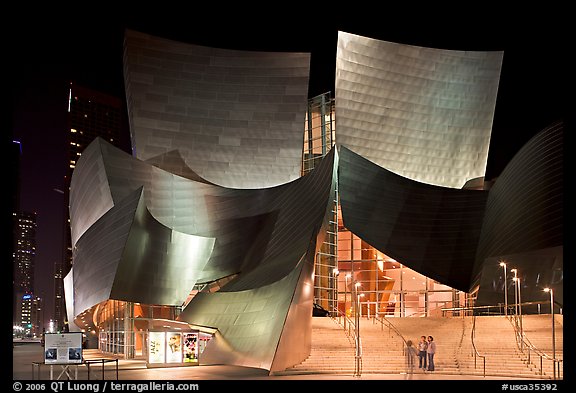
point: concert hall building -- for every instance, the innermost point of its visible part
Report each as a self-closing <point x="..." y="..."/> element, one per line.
<point x="244" y="202"/>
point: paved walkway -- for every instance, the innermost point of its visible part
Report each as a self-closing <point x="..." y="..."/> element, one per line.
<point x="25" y="354"/>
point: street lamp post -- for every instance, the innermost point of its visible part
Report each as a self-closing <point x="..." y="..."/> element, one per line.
<point x="553" y="328"/>
<point x="336" y="272"/>
<point x="503" y="264"/>
<point x="346" y="277"/>
<point x="356" y="299"/>
<point x="517" y="280"/>
<point x="515" y="271"/>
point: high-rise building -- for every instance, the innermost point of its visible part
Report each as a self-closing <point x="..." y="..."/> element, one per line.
<point x="15" y="153"/>
<point x="59" y="306"/>
<point x="23" y="255"/>
<point x="37" y="316"/>
<point x="91" y="114"/>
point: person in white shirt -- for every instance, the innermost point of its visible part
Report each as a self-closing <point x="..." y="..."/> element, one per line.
<point x="422" y="347"/>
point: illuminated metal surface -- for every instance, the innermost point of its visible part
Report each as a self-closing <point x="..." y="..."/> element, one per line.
<point x="251" y="323"/>
<point x="127" y="255"/>
<point x="433" y="230"/>
<point x="166" y="233"/>
<point x="423" y="113"/>
<point x="525" y="209"/>
<point x="237" y="117"/>
<point x="90" y="195"/>
<point x="524" y="218"/>
<point x="458" y="237"/>
<point x="264" y="316"/>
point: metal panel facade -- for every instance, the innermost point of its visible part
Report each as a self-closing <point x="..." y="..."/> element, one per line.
<point x="423" y="113"/>
<point x="237" y="117"/>
<point x="524" y="222"/>
<point x="165" y="233"/>
<point x="433" y="230"/>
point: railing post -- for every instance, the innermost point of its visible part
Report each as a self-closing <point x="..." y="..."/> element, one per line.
<point x="541" y="368"/>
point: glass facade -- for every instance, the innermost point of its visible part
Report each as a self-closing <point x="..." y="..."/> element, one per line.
<point x="387" y="287"/>
<point x="319" y="137"/>
<point x="122" y="326"/>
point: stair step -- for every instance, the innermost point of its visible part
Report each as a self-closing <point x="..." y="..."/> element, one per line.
<point x="332" y="351"/>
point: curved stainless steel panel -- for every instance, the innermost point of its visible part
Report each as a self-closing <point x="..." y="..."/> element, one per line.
<point x="433" y="230"/>
<point x="166" y="232"/>
<point x="264" y="315"/>
<point x="159" y="265"/>
<point x="423" y="113"/>
<point x="237" y="117"/>
<point x="90" y="195"/>
<point x="523" y="224"/>
<point x="525" y="208"/>
<point x="249" y="322"/>
<point x="98" y="252"/>
<point x="200" y="209"/>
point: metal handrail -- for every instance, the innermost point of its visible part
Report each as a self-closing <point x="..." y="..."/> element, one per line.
<point x="390" y="325"/>
<point x="348" y="321"/>
<point x="357" y="342"/>
<point x="522" y="341"/>
<point x="476" y="353"/>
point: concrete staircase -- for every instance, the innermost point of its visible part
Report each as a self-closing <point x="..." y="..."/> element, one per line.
<point x="448" y="333"/>
<point x="383" y="349"/>
<point x="495" y="340"/>
<point x="538" y="332"/>
<point x="332" y="350"/>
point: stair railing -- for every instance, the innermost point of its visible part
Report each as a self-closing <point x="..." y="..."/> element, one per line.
<point x="352" y="334"/>
<point x="528" y="350"/>
<point x="384" y="321"/>
<point x="475" y="350"/>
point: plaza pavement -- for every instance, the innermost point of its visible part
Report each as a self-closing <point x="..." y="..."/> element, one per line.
<point x="135" y="370"/>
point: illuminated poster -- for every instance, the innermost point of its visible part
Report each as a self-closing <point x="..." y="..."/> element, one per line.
<point x="156" y="347"/>
<point x="63" y="348"/>
<point x="190" y="347"/>
<point x="173" y="347"/>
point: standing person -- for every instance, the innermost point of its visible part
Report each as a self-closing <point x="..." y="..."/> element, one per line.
<point x="410" y="358"/>
<point x="422" y="347"/>
<point x="431" y="350"/>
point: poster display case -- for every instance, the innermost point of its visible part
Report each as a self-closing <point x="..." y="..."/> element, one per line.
<point x="190" y="347"/>
<point x="171" y="348"/>
<point x="157" y="347"/>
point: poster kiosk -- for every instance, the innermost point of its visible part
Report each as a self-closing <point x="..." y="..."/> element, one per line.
<point x="63" y="350"/>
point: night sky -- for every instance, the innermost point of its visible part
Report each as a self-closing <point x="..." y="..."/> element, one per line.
<point x="48" y="52"/>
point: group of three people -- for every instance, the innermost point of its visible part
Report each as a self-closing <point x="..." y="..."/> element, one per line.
<point x="426" y="351"/>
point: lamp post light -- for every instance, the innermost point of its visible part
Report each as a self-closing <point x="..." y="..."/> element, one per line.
<point x="517" y="281"/>
<point x="553" y="328"/>
<point x="346" y="278"/>
<point x="356" y="299"/>
<point x="515" y="271"/>
<point x="335" y="272"/>
<point x="503" y="264"/>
